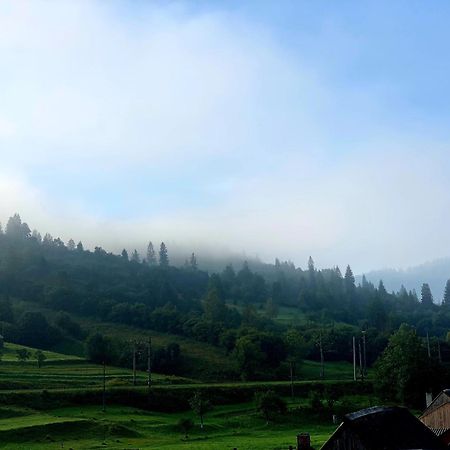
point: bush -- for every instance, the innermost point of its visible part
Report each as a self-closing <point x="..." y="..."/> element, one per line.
<point x="269" y="404"/>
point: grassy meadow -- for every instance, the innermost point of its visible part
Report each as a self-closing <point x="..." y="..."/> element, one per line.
<point x="28" y="422"/>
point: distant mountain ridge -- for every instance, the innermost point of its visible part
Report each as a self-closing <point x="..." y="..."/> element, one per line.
<point x="435" y="273"/>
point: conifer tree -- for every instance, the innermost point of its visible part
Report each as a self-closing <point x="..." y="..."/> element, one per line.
<point x="135" y="256"/>
<point x="193" y="262"/>
<point x="151" y="256"/>
<point x="426" y="296"/>
<point x="71" y="245"/>
<point x="163" y="256"/>
<point x="124" y="254"/>
<point x="446" y="299"/>
<point x="381" y="289"/>
<point x="80" y="246"/>
<point x="349" y="280"/>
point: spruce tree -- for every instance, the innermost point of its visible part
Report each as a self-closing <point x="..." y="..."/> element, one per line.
<point x="71" y="245"/>
<point x="124" y="254"/>
<point x="135" y="256"/>
<point x="426" y="296"/>
<point x="151" y="256"/>
<point x="163" y="256"/>
<point x="193" y="262"/>
<point x="446" y="299"/>
<point x="349" y="280"/>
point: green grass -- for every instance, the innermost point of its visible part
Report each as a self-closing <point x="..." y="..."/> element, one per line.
<point x="199" y="360"/>
<point x="120" y="427"/>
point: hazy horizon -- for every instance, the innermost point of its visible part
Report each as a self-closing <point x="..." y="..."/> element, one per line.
<point x="274" y="131"/>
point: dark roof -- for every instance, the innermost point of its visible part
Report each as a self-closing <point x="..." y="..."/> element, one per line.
<point x="441" y="399"/>
<point x="387" y="428"/>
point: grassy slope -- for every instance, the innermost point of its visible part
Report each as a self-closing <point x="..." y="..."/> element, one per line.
<point x="200" y="360"/>
<point x="226" y="427"/>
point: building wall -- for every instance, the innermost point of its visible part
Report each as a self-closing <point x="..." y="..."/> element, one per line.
<point x="438" y="418"/>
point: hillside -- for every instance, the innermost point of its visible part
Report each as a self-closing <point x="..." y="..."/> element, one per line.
<point x="435" y="273"/>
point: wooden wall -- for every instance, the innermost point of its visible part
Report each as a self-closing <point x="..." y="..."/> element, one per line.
<point x="438" y="418"/>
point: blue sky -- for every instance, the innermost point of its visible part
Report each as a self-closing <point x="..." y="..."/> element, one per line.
<point x="283" y="128"/>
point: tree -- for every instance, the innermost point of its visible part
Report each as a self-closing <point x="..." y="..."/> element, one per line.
<point x="349" y="280"/>
<point x="163" y="256"/>
<point x="268" y="404"/>
<point x="426" y="296"/>
<point x="404" y="372"/>
<point x="99" y="348"/>
<point x="193" y="262"/>
<point x="22" y="354"/>
<point x="200" y="405"/>
<point x="446" y="299"/>
<point x="185" y="425"/>
<point x="271" y="308"/>
<point x="214" y="307"/>
<point x="80" y="247"/>
<point x="296" y="351"/>
<point x="135" y="256"/>
<point x="71" y="245"/>
<point x="40" y="357"/>
<point x="124" y="254"/>
<point x="16" y="229"/>
<point x="151" y="256"/>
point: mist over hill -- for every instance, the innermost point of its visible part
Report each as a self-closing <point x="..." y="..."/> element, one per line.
<point x="435" y="273"/>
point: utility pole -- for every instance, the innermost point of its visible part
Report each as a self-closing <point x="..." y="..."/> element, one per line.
<point x="364" y="353"/>
<point x="134" y="363"/>
<point x="428" y="346"/>
<point x="104" y="387"/>
<point x="354" y="358"/>
<point x="360" y="361"/>
<point x="149" y="363"/>
<point x="291" y="370"/>
<point x="322" y="369"/>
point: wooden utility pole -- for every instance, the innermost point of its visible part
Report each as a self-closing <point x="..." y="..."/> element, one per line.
<point x="322" y="368"/>
<point x="149" y="363"/>
<point x="360" y="361"/>
<point x="364" y="354"/>
<point x="134" y="363"/>
<point x="291" y="369"/>
<point x="354" y="358"/>
<point x="104" y="387"/>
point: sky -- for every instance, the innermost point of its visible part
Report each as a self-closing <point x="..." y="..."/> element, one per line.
<point x="272" y="129"/>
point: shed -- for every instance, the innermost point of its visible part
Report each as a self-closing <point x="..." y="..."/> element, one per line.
<point x="437" y="416"/>
<point x="382" y="428"/>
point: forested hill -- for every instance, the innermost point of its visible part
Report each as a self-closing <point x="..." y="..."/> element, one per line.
<point x="236" y="309"/>
<point x="435" y="273"/>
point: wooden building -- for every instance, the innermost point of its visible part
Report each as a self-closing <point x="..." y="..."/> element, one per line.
<point x="437" y="416"/>
<point x="383" y="428"/>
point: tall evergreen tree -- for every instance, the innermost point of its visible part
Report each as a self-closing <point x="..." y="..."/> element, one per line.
<point x="311" y="267"/>
<point x="163" y="256"/>
<point x="135" y="256"/>
<point x="446" y="299"/>
<point x="80" y="247"/>
<point x="193" y="262"/>
<point x="124" y="254"/>
<point x="151" y="255"/>
<point x="71" y="245"/>
<point x="349" y="280"/>
<point x="426" y="296"/>
<point x="381" y="289"/>
<point x="364" y="282"/>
